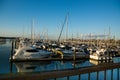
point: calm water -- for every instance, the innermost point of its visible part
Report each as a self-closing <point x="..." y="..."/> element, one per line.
<point x="5" y="49"/>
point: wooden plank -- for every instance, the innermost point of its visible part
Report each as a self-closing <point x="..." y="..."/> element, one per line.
<point x="58" y="73"/>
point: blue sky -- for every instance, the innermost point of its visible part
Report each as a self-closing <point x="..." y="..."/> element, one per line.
<point x="85" y="17"/>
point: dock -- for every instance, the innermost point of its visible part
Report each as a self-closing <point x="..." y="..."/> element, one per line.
<point x="51" y="59"/>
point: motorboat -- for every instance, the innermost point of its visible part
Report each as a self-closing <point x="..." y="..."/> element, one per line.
<point x="100" y="55"/>
<point x="28" y="52"/>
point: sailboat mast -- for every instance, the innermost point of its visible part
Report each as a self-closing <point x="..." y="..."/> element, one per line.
<point x="109" y="37"/>
<point x="67" y="27"/>
<point x="32" y="30"/>
<point x="62" y="29"/>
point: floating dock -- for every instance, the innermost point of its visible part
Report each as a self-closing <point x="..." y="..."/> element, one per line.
<point x="51" y="59"/>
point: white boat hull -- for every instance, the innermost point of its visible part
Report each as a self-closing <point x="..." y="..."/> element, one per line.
<point x="24" y="54"/>
<point x="100" y="58"/>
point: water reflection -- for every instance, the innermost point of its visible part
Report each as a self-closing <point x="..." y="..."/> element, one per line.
<point x="49" y="65"/>
<point x="2" y="41"/>
<point x="100" y="62"/>
<point x="77" y="63"/>
<point x="30" y="66"/>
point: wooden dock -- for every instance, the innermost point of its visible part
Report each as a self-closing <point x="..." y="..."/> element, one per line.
<point x="58" y="73"/>
<point x="51" y="59"/>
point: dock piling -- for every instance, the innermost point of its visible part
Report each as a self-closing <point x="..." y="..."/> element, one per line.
<point x="12" y="51"/>
<point x="74" y="57"/>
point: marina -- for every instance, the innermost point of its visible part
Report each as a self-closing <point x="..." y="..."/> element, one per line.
<point x="59" y="40"/>
<point x="56" y="64"/>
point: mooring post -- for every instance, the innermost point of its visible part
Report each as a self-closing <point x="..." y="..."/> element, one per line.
<point x="12" y="51"/>
<point x="11" y="57"/>
<point x="74" y="54"/>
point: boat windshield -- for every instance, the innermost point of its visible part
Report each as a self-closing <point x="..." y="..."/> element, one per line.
<point x="32" y="50"/>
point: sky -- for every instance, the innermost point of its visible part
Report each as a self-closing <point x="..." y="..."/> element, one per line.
<point x="84" y="17"/>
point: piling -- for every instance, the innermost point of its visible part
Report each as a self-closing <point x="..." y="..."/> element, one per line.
<point x="11" y="55"/>
<point x="74" y="57"/>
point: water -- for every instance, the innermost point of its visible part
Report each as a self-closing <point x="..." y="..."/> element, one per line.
<point x="5" y="50"/>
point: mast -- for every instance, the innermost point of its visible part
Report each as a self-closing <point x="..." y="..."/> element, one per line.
<point x="109" y="37"/>
<point x="62" y="29"/>
<point x="32" y="30"/>
<point x="67" y="27"/>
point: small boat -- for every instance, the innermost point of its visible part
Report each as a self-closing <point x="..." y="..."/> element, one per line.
<point x="68" y="52"/>
<point x="100" y="55"/>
